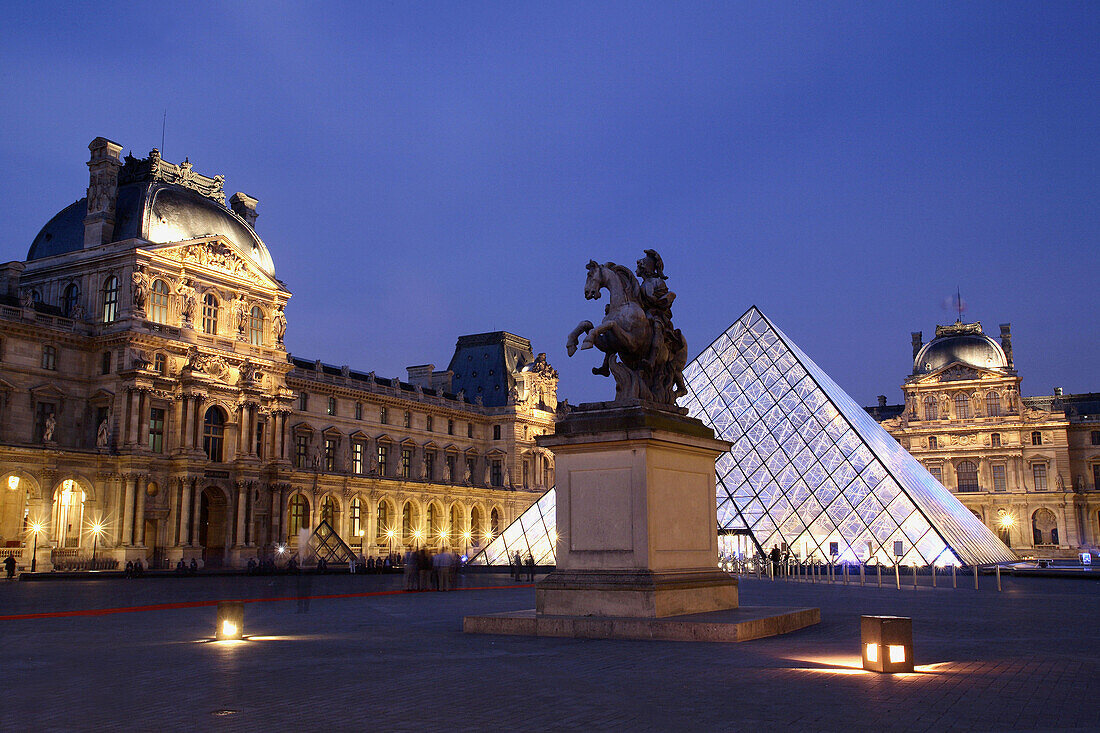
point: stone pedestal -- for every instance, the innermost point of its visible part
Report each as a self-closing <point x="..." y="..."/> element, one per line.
<point x="636" y="526"/>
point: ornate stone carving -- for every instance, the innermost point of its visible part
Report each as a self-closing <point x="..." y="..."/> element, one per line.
<point x="642" y="350"/>
<point x="154" y="168"/>
<point x="542" y="367"/>
<point x="102" y="435"/>
<point x="239" y="314"/>
<point x="214" y="255"/>
<point x="189" y="301"/>
<point x="249" y="373"/>
<point x="49" y="428"/>
<point x="139" y="288"/>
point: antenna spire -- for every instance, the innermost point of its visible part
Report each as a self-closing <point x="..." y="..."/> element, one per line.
<point x="163" y="122"/>
<point x="959" y="301"/>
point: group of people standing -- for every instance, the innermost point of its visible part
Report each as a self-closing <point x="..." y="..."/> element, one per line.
<point x="520" y="567"/>
<point x="425" y="570"/>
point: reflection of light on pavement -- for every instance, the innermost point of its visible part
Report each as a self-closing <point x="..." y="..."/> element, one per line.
<point x="843" y="664"/>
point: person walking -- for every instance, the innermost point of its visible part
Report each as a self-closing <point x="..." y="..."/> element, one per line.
<point x="775" y="555"/>
<point x="530" y="568"/>
<point x="9" y="566"/>
<point x="517" y="567"/>
<point x="410" y="570"/>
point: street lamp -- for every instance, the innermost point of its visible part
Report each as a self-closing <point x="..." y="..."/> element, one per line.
<point x="466" y="539"/>
<point x="389" y="534"/>
<point x="36" y="527"/>
<point x="97" y="530"/>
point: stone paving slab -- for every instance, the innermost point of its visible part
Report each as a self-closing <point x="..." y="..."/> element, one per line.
<point x="1025" y="659"/>
<point x="732" y="625"/>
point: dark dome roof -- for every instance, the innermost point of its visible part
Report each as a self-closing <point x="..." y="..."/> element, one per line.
<point x="963" y="344"/>
<point x="156" y="212"/>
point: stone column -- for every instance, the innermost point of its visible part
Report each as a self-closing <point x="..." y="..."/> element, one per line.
<point x="242" y="487"/>
<point x="196" y="513"/>
<point x="143" y="419"/>
<point x="183" y="537"/>
<point x="127" y="510"/>
<point x="139" y="511"/>
<point x="133" y="416"/>
<point x="178" y="422"/>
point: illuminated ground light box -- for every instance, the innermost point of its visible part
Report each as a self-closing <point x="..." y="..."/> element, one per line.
<point x="887" y="643"/>
<point x="230" y="621"/>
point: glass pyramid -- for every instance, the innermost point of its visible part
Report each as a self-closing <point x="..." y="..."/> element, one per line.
<point x="808" y="466"/>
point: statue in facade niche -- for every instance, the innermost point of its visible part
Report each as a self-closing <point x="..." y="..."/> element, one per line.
<point x="278" y="323"/>
<point x="643" y="351"/>
<point x="240" y="313"/>
<point x="50" y="427"/>
<point x="103" y="433"/>
<point x="466" y="474"/>
<point x="189" y="300"/>
<point x="139" y="288"/>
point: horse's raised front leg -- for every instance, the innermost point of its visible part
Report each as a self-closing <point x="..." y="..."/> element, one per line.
<point x="571" y="342"/>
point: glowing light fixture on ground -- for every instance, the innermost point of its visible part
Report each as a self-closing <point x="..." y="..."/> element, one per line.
<point x="229" y="622"/>
<point x="887" y="643"/>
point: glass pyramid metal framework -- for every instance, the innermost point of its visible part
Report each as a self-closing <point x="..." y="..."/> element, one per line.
<point x="808" y="466"/>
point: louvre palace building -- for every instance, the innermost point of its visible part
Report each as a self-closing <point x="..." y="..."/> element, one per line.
<point x="150" y="410"/>
<point x="1028" y="467"/>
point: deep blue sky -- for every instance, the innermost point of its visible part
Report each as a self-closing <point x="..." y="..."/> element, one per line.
<point x="428" y="170"/>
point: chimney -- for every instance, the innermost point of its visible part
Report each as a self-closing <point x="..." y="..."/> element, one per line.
<point x="1057" y="391"/>
<point x="918" y="341"/>
<point x="244" y="206"/>
<point x="882" y="400"/>
<point x="421" y="375"/>
<point x="1006" y="342"/>
<point x="103" y="167"/>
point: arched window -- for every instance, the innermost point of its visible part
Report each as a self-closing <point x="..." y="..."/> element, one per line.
<point x="110" y="299"/>
<point x="383" y="520"/>
<point x="356" y="517"/>
<point x="933" y="443"/>
<point x="931" y="410"/>
<point x="1044" y="527"/>
<point x="256" y="326"/>
<point x="159" y="301"/>
<point x="475" y="523"/>
<point x="160" y="363"/>
<point x="70" y="300"/>
<point x="456" y="523"/>
<point x="407" y="521"/>
<point x="962" y="407"/>
<point x="299" y="514"/>
<point x="433" y="522"/>
<point x="967" y="474"/>
<point x="213" y="432"/>
<point x="494" y="522"/>
<point x="210" y="313"/>
<point x="993" y="404"/>
<point x="328" y="511"/>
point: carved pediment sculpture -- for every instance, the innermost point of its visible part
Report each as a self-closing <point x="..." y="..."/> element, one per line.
<point x="215" y="254"/>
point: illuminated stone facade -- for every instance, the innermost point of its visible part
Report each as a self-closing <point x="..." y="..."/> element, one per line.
<point x="145" y="388"/>
<point x="1029" y="467"/>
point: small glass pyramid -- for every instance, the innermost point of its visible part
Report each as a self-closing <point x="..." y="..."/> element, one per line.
<point x="808" y="468"/>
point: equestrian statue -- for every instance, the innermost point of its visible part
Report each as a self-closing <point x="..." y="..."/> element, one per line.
<point x="642" y="350"/>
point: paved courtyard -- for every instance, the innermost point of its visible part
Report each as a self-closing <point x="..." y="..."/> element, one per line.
<point x="1024" y="659"/>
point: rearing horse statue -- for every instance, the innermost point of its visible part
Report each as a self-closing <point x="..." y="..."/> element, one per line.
<point x="632" y="337"/>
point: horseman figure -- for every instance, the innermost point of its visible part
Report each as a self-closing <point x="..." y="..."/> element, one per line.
<point x="642" y="349"/>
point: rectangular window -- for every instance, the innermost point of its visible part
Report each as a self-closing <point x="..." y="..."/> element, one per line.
<point x="357" y="458"/>
<point x="406" y="462"/>
<point x="469" y="430"/>
<point x="260" y="440"/>
<point x="49" y="357"/>
<point x="999" y="481"/>
<point x="450" y="427"/>
<point x="106" y="362"/>
<point x="156" y="430"/>
<point x="358" y="410"/>
<point x="406" y="420"/>
<point x="995" y="440"/>
<point x="256" y="327"/>
<point x="301" y="450"/>
<point x="383" y="414"/>
<point x="1036" y="438"/>
<point x="428" y="423"/>
<point x="1096" y="437"/>
<point x="330" y="454"/>
<point x="303" y="401"/>
<point x="496" y="432"/>
<point x="429" y="465"/>
<point x="1096" y="477"/>
<point x="1039" y="472"/>
<point x="356" y="520"/>
<point x="383" y="455"/>
<point x="496" y="476"/>
<point x="937" y="473"/>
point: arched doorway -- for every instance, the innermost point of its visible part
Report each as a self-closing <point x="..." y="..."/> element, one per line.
<point x="68" y="514"/>
<point x="1044" y="527"/>
<point x="14" y="490"/>
<point x="476" y="527"/>
<point x="212" y="527"/>
<point x="495" y="523"/>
